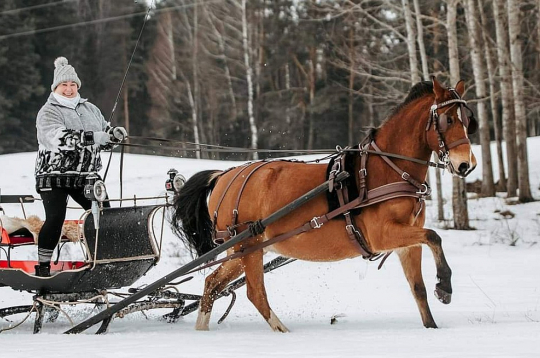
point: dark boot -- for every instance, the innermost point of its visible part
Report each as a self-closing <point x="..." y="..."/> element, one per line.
<point x="43" y="270"/>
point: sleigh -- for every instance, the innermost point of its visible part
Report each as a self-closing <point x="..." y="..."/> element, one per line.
<point x="113" y="255"/>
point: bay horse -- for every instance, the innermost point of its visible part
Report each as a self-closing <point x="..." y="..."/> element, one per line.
<point x="215" y="205"/>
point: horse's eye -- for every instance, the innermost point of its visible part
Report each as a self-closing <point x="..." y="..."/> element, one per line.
<point x="449" y="120"/>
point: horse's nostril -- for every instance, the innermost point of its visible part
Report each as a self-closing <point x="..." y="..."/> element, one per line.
<point x="463" y="168"/>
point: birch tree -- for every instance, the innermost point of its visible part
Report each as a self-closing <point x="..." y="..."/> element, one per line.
<point x="509" y="124"/>
<point x="161" y="76"/>
<point x="519" y="106"/>
<point x="471" y="15"/>
<point x="411" y="41"/>
<point x="421" y="42"/>
<point x="459" y="197"/>
<point x="497" y="125"/>
<point x="249" y="79"/>
<point x="219" y="38"/>
<point x="436" y="40"/>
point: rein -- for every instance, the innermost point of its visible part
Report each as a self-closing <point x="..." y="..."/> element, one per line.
<point x="224" y="149"/>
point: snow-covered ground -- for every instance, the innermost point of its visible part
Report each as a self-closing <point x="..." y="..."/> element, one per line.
<point x="495" y="309"/>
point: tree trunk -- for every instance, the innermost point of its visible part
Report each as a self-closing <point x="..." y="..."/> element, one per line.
<point x="350" y="126"/>
<point x="509" y="124"/>
<point x="249" y="79"/>
<point x="221" y="44"/>
<point x="438" y="179"/>
<point x="196" y="97"/>
<point x="421" y="43"/>
<point x="459" y="197"/>
<point x="371" y="109"/>
<point x="161" y="84"/>
<point x="311" y="80"/>
<point x="514" y="28"/>
<point x="411" y="41"/>
<point x="488" y="187"/>
<point x="194" y="119"/>
<point x="497" y="125"/>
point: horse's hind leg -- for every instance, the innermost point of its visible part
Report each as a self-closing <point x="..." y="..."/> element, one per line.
<point x="411" y="261"/>
<point x="256" y="292"/>
<point x="214" y="284"/>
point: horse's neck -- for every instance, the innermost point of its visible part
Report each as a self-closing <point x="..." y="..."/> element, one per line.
<point x="404" y="134"/>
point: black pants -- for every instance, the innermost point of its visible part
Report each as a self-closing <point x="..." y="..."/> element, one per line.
<point x="55" y="204"/>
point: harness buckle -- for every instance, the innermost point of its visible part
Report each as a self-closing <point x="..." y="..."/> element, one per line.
<point x="351" y="230"/>
<point x="315" y="223"/>
<point x="231" y="230"/>
<point x="363" y="172"/>
<point x="424" y="191"/>
<point x="405" y="176"/>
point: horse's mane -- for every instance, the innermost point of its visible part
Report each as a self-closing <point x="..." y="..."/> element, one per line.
<point x="417" y="91"/>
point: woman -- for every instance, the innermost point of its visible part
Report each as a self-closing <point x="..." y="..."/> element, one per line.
<point x="71" y="132"/>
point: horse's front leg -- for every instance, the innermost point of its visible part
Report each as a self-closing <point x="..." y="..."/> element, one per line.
<point x="214" y="284"/>
<point x="411" y="261"/>
<point x="256" y="292"/>
<point x="443" y="289"/>
<point x="397" y="236"/>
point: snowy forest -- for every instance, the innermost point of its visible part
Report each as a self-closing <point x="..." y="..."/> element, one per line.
<point x="280" y="74"/>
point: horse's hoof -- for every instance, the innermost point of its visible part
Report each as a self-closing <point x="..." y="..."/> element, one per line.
<point x="276" y="324"/>
<point x="443" y="296"/>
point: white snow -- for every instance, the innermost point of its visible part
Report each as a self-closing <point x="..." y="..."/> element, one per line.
<point x="495" y="309"/>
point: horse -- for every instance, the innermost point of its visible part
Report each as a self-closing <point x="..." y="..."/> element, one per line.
<point x="214" y="205"/>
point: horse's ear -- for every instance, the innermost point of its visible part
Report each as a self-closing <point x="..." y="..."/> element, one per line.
<point x="437" y="89"/>
<point x="460" y="88"/>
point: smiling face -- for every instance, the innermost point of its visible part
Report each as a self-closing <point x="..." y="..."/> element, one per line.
<point x="67" y="89"/>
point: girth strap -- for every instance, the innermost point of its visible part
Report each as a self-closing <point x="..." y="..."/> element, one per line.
<point x="342" y="192"/>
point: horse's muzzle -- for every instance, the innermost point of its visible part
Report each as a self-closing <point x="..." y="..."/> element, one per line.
<point x="464" y="169"/>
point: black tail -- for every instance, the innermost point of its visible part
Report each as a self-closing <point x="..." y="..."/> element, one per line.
<point x="190" y="220"/>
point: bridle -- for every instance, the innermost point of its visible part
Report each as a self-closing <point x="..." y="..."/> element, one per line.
<point x="440" y="124"/>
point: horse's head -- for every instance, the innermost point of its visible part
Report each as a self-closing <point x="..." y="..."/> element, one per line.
<point x="450" y="122"/>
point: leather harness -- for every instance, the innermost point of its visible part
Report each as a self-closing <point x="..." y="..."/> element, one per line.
<point x="408" y="187"/>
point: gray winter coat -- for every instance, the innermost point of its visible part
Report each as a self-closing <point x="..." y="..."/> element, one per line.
<point x="66" y="152"/>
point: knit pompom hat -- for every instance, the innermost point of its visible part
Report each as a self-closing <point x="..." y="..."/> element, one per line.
<point x="64" y="72"/>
